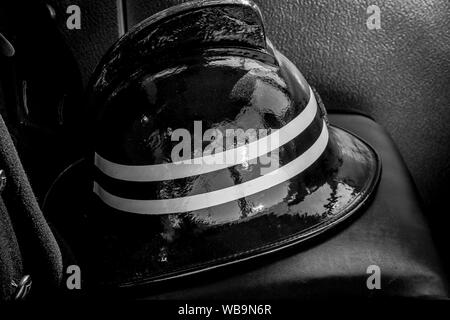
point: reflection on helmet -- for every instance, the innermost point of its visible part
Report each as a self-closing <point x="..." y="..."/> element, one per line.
<point x="151" y="218"/>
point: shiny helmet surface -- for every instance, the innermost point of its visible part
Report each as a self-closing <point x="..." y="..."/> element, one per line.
<point x="208" y="148"/>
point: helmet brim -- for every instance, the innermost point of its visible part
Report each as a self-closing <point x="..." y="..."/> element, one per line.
<point x="125" y="250"/>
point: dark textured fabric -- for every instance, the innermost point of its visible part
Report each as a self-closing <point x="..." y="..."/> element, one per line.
<point x="391" y="233"/>
<point x="42" y="90"/>
<point x="400" y="74"/>
<point x="10" y="257"/>
<point x="40" y="252"/>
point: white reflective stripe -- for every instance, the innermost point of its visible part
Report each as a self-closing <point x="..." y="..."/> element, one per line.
<point x="209" y="199"/>
<point x="177" y="170"/>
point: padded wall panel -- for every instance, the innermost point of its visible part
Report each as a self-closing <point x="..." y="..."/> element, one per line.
<point x="98" y="30"/>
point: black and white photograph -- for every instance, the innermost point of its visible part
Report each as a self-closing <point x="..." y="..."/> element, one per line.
<point x="224" y="158"/>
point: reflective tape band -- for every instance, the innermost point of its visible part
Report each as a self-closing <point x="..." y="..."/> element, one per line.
<point x="210" y="199"/>
<point x="178" y="170"/>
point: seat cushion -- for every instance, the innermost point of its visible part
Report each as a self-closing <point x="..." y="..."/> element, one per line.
<point x="390" y="233"/>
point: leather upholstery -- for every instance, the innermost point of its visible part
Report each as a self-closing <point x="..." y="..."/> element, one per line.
<point x="391" y="234"/>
